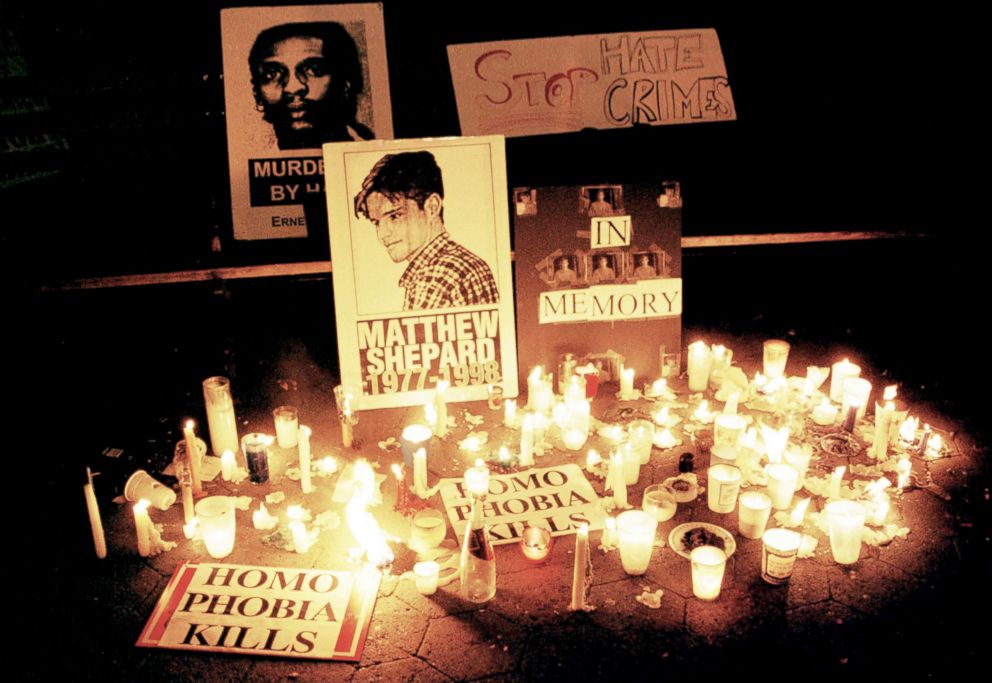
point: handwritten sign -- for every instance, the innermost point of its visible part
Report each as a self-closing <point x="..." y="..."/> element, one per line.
<point x="559" y="499"/>
<point x="617" y="80"/>
<point x="283" y="612"/>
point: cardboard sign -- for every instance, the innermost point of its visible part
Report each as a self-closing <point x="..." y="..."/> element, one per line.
<point x="423" y="289"/>
<point x="559" y="499"/>
<point x="616" y="80"/>
<point x="285" y="612"/>
<point x="295" y="78"/>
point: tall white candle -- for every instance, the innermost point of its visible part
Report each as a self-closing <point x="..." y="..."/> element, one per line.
<point x="441" y="407"/>
<point x="420" y="473"/>
<point x="627" y="383"/>
<point x="96" y="523"/>
<point x="883" y="419"/>
<point x="193" y="457"/>
<point x="846" y="522"/>
<point x="142" y="527"/>
<point x="617" y="481"/>
<point x="221" y="423"/>
<point x="510" y="413"/>
<point x="186" y="488"/>
<point x="840" y="373"/>
<point x="303" y="439"/>
<point x="477" y="479"/>
<point x="527" y="441"/>
<point x="579" y="570"/>
<point x="700" y="364"/>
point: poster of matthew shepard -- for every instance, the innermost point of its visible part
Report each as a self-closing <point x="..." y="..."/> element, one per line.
<point x="295" y="78"/>
<point x="423" y="289"/>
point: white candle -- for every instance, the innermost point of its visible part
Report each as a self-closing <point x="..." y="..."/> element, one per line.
<point x="635" y="536"/>
<point x="527" y="441"/>
<point x="579" y="569"/>
<point x="659" y="387"/>
<point x="609" y="537"/>
<point x="574" y="439"/>
<point x="215" y="515"/>
<point x="703" y="413"/>
<point x="700" y="364"/>
<point x="903" y="469"/>
<point x="708" y="565"/>
<point x="781" y="485"/>
<point x="261" y="519"/>
<point x="753" y="512"/>
<point x="798" y="513"/>
<point x="640" y="436"/>
<point x="723" y="486"/>
<point x="477" y="479"/>
<point x="286" y="419"/>
<point x="540" y="394"/>
<point x="186" y="488"/>
<point x="846" y="521"/>
<point x="441" y="407"/>
<point x="857" y="392"/>
<point x="592" y="460"/>
<point x="631" y="464"/>
<point x="662" y="417"/>
<point x="96" y="523"/>
<point x="730" y="407"/>
<point x="303" y="439"/>
<point x="142" y="527"/>
<point x="840" y="373"/>
<point x="775" y="442"/>
<point x="798" y="458"/>
<point x="425" y="576"/>
<point x="934" y="446"/>
<point x="727" y="430"/>
<point x="420" y="473"/>
<point x="836" y="479"/>
<point x="627" y="383"/>
<point x="510" y="413"/>
<point x="617" y="482"/>
<point x="883" y="419"/>
<point x="347" y="428"/>
<point x="327" y="466"/>
<point x="775" y="358"/>
<point x="228" y="466"/>
<point x="301" y="539"/>
<point x="576" y="389"/>
<point x="193" y="457"/>
<point x="825" y="414"/>
<point x="779" y="549"/>
<point x="221" y="423"/>
<point x="666" y="440"/>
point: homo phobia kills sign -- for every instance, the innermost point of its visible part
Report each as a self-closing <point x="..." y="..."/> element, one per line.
<point x="307" y="613"/>
<point x="616" y="80"/>
<point x="559" y="499"/>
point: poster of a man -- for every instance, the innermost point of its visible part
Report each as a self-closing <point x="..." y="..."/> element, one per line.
<point x="295" y="78"/>
<point x="604" y="271"/>
<point x="565" y="271"/>
<point x="644" y="268"/>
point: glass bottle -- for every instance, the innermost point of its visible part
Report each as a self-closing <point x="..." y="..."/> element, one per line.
<point x="478" y="562"/>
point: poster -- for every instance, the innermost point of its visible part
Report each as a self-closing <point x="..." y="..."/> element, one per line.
<point x="278" y="611"/>
<point x="295" y="78"/>
<point x="423" y="289"/>
<point x="559" y="499"/>
<point x="599" y="275"/>
<point x="616" y="80"/>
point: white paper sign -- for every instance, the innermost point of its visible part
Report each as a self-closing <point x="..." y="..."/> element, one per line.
<point x="660" y="298"/>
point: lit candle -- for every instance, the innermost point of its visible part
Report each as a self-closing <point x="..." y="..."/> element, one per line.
<point x="700" y="365"/>
<point x="430" y="416"/>
<point x="666" y="440"/>
<point x="228" y="466"/>
<point x="193" y="457"/>
<point x="221" y="423"/>
<point x="535" y="543"/>
<point x="503" y="457"/>
<point x="215" y="515"/>
<point x="907" y="431"/>
<point x="797" y="457"/>
<point x="877" y="508"/>
<point x="286" y="419"/>
<point x="580" y="569"/>
<point x="540" y="395"/>
<point x="903" y="469"/>
<point x="576" y="389"/>
<point x="659" y="387"/>
<point x="142" y="527"/>
<point x="836" y="479"/>
<point x="527" y="441"/>
<point x="779" y="549"/>
<point x="662" y="417"/>
<point x="722" y="357"/>
<point x="825" y="414"/>
<point x="441" y="407"/>
<point x="753" y="512"/>
<point x="775" y="442"/>
<point x="477" y="479"/>
<point x="925" y="439"/>
<point x="703" y="413"/>
<point x="708" y="565"/>
<point x="724" y="485"/>
<point x="631" y="464"/>
<point x="510" y="413"/>
<point x="609" y="538"/>
<point x="635" y="536"/>
<point x="883" y="417"/>
<point x="935" y="446"/>
<point x="798" y="513"/>
<point x="846" y="521"/>
<point x="775" y="358"/>
<point x="781" y="485"/>
<point x="640" y="435"/>
<point x="495" y="396"/>
<point x="303" y="439"/>
<point x="730" y="407"/>
<point x="592" y="460"/>
<point x="617" y="482"/>
<point x="301" y="539"/>
<point x="402" y="490"/>
<point x="96" y="523"/>
<point x="413" y="438"/>
<point x="347" y="428"/>
<point x="857" y="391"/>
<point x="727" y="430"/>
<point x="840" y="373"/>
<point x="420" y="473"/>
<point x="627" y="383"/>
<point x="426" y="576"/>
<point x="574" y="439"/>
<point x="261" y="519"/>
<point x="328" y="466"/>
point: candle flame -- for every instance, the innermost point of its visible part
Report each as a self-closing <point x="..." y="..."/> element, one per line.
<point x="190" y="424"/>
<point x="295" y="513"/>
<point x="890" y="392"/>
<point x="327" y="464"/>
<point x="799" y="512"/>
<point x="504" y="454"/>
<point x="907" y="431"/>
<point x="593" y="458"/>
<point x="659" y="386"/>
<point x="535" y="374"/>
<point x="935" y="445"/>
<point x="719" y="351"/>
<point x="471" y="443"/>
<point x="775" y="442"/>
<point x="903" y="469"/>
<point x="667" y="439"/>
<point x="364" y="528"/>
<point x="142" y="505"/>
<point x="479" y="462"/>
<point x="662" y="417"/>
<point x="306" y="431"/>
<point x="397" y="471"/>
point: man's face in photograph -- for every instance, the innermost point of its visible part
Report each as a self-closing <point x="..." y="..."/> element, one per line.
<point x="294" y="84"/>
<point x="400" y="224"/>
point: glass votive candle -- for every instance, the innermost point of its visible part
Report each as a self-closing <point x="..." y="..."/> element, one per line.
<point x="779" y="549"/>
<point x="846" y="521"/>
<point x="425" y="576"/>
<point x="221" y="423"/>
<point x="723" y="455"/>
<point x="412" y="439"/>
<point x="781" y="484"/>
<point x="857" y="391"/>
<point x="631" y="464"/>
<point x="256" y="450"/>
<point x="635" y="534"/>
<point x="427" y="530"/>
<point x="535" y="543"/>
<point x="753" y="511"/>
<point x="775" y="358"/>
<point x="659" y="502"/>
<point x="215" y="515"/>
<point x="287" y="423"/>
<point x="700" y="364"/>
<point x="727" y="430"/>
<point x="708" y="564"/>
<point x="724" y="483"/>
<point x="640" y="435"/>
<point x="574" y="439"/>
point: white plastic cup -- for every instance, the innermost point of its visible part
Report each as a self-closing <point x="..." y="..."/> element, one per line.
<point x="708" y="565"/>
<point x="782" y="480"/>
<point x="753" y="512"/>
<point x="425" y="576"/>
<point x="635" y="532"/>
<point x="779" y="549"/>
<point x="142" y="485"/>
<point x="215" y="515"/>
<point x="723" y="485"/>
<point x="846" y="522"/>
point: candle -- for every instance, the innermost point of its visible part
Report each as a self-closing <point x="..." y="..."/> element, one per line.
<point x="303" y="439"/>
<point x="883" y="418"/>
<point x="835" y="481"/>
<point x="781" y="485"/>
<point x="798" y="513"/>
<point x="779" y="549"/>
<point x="575" y="390"/>
<point x="631" y="464"/>
<point x="580" y="569"/>
<point x="666" y="440"/>
<point x="924" y="439"/>
<point x="775" y="358"/>
<point x="221" y="423"/>
<point x="477" y="479"/>
<point x="825" y="414"/>
<point x="703" y="413"/>
<point x="935" y="446"/>
<point x="328" y="465"/>
<point x="93" y="510"/>
<point x="228" y="466"/>
<point x="347" y="427"/>
<point x="286" y="419"/>
<point x="797" y="457"/>
<point x="708" y="564"/>
<point x="539" y="393"/>
<point x="635" y="535"/>
<point x="846" y="521"/>
<point x="413" y="438"/>
<point x="724" y="485"/>
<point x="592" y="460"/>
<point x="851" y="416"/>
<point x="193" y="457"/>
<point x="261" y="519"/>
<point x="775" y="442"/>
<point x="541" y="425"/>
<point x="441" y="407"/>
<point x="722" y="357"/>
<point x="903" y="469"/>
<point x="142" y="527"/>
<point x="503" y="457"/>
<point x="617" y="482"/>
<point x="752" y="514"/>
<point x="420" y="473"/>
<point x="730" y="407"/>
<point x="402" y="490"/>
<point x="700" y="365"/>
<point x="627" y="383"/>
<point x="427" y="530"/>
<point x="659" y="388"/>
<point x="527" y="441"/>
<point x="840" y="373"/>
<point x="425" y="576"/>
<point x="535" y="543"/>
<point x="574" y="439"/>
<point x="217" y="524"/>
<point x="727" y="430"/>
<point x="609" y="537"/>
<point x="430" y="416"/>
<point x="186" y="488"/>
<point x="857" y="390"/>
<point x="640" y="436"/>
<point x="877" y="508"/>
<point x="301" y="539"/>
<point x="510" y="413"/>
<point x="662" y="417"/>
<point x="256" y="450"/>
